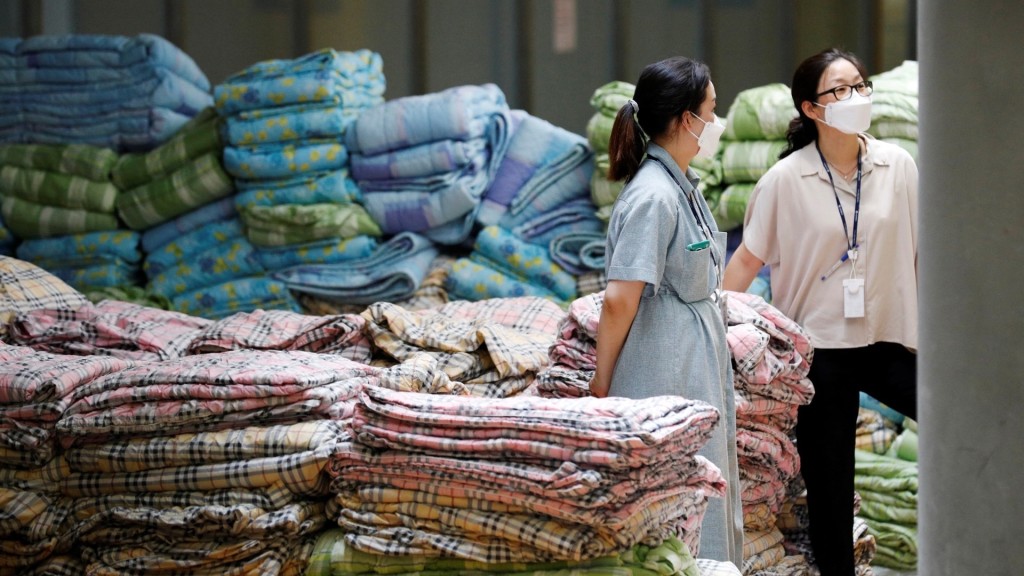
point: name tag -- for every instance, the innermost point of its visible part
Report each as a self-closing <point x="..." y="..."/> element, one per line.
<point x="853" y="297"/>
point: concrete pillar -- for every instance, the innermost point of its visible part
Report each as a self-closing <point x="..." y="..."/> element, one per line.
<point x="971" y="266"/>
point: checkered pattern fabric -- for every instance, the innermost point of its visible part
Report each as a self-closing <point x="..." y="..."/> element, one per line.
<point x="25" y="286"/>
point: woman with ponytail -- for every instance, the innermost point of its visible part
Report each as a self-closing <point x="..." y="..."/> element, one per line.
<point x="662" y="331"/>
<point x="835" y="219"/>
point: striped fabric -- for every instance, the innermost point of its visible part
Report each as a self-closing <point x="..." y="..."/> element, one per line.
<point x="196" y="183"/>
<point x="89" y="162"/>
<point x="295" y="224"/>
<point x="55" y="189"/>
<point x="196" y="138"/>
<point x="33" y="220"/>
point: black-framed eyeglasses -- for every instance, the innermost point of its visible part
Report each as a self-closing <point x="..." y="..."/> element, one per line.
<point x="844" y="92"/>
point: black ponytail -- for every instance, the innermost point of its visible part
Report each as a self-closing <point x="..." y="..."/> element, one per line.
<point x="665" y="90"/>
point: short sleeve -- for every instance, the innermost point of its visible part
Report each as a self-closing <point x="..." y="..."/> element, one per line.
<point x="759" y="222"/>
<point x="639" y="236"/>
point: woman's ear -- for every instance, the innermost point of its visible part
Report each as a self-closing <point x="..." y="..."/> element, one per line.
<point x="808" y="109"/>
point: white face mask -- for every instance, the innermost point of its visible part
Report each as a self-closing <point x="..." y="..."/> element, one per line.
<point x="707" y="142"/>
<point x="851" y="116"/>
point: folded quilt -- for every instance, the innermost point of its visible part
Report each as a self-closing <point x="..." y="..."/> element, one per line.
<point x="236" y="295"/>
<point x="198" y="136"/>
<point x="498" y="248"/>
<point x="607" y="100"/>
<point x="130" y="130"/>
<point x="748" y="161"/>
<point x="894" y="106"/>
<point x="603" y="191"/>
<point x="87" y="162"/>
<point x="327" y="251"/>
<point x="573" y="216"/>
<point x="610" y="97"/>
<point x="188" y="244"/>
<point x="210" y="267"/>
<point x="31" y="376"/>
<point x="288" y="224"/>
<point x="103" y="51"/>
<point x="285" y="123"/>
<point x="194" y="184"/>
<point x="427" y="203"/>
<point x="31" y="220"/>
<point x="56" y="189"/>
<point x="421" y="160"/>
<point x="578" y="252"/>
<point x="544" y="166"/>
<point x="732" y="204"/>
<point x="472" y="280"/>
<point x="334" y="186"/>
<point x="484" y="344"/>
<point x="604" y="433"/>
<point x="761" y="113"/>
<point x="82" y="249"/>
<point x="339" y="334"/>
<point x="158" y="89"/>
<point x="326" y="76"/>
<point x="158" y="236"/>
<point x="392" y="272"/>
<point x="284" y="160"/>
<point x="334" y="556"/>
<point x="109" y="328"/>
<point x="457" y="113"/>
<point x="239" y="380"/>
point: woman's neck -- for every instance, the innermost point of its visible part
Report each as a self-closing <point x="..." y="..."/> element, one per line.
<point x="840" y="150"/>
<point x="675" y="151"/>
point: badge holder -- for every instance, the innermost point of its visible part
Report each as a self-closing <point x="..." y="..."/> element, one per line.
<point x="853" y="291"/>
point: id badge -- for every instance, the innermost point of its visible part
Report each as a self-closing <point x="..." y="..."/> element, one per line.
<point x="853" y="297"/>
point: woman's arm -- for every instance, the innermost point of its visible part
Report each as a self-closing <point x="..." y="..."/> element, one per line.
<point x="621" y="301"/>
<point x="740" y="271"/>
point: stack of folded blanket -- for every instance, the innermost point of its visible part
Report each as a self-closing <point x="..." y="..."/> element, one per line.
<point x="894" y="106"/>
<point x="502" y="265"/>
<point x="53" y="190"/>
<point x="424" y="162"/>
<point x="285" y="123"/>
<point x="755" y="135"/>
<point x="123" y="93"/>
<point x="541" y="192"/>
<point x="207" y="267"/>
<point x="176" y="177"/>
<point x="521" y="479"/>
<point x="607" y="100"/>
<point x="61" y="200"/>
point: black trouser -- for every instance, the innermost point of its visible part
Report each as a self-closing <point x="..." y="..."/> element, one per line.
<point x="826" y="435"/>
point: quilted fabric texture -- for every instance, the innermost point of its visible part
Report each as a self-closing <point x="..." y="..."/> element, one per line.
<point x="25" y="286"/>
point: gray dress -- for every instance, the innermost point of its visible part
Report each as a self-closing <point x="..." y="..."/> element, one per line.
<point x="676" y="345"/>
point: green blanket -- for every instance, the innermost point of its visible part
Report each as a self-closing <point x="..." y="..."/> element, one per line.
<point x="89" y="162"/>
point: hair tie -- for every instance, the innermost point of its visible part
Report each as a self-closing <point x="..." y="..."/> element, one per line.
<point x="636" y="107"/>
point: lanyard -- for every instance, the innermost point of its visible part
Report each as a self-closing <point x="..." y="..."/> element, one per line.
<point x="851" y="244"/>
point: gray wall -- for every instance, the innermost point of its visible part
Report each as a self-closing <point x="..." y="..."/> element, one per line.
<point x="429" y="45"/>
